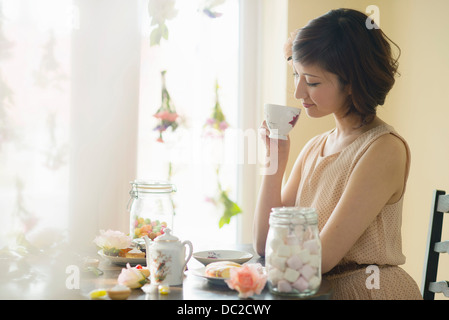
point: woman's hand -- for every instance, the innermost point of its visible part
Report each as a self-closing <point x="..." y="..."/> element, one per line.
<point x="277" y="151"/>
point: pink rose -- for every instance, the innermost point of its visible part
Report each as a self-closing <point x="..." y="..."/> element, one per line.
<point x="112" y="241"/>
<point x="131" y="277"/>
<point x="166" y="115"/>
<point x="248" y="280"/>
<point x="210" y="121"/>
<point x="223" y="125"/>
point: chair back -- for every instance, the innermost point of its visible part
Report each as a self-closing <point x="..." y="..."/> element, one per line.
<point x="440" y="205"/>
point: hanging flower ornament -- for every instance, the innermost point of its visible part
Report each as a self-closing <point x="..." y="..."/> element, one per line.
<point x="208" y="8"/>
<point x="230" y="207"/>
<point x="215" y="127"/>
<point x="166" y="114"/>
<point x="216" y="124"/>
<point x="160" y="11"/>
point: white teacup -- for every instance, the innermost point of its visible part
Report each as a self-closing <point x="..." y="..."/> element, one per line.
<point x="280" y="120"/>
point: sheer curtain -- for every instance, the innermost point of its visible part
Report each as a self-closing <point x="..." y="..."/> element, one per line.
<point x="35" y="70"/>
<point x="69" y="96"/>
<point x="79" y="84"/>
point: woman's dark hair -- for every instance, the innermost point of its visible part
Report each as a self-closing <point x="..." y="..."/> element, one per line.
<point x="341" y="43"/>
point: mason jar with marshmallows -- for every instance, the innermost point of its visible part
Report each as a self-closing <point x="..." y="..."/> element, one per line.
<point x="293" y="252"/>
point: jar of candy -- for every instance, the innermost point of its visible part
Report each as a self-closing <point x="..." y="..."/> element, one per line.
<point x="151" y="208"/>
<point x="293" y="252"/>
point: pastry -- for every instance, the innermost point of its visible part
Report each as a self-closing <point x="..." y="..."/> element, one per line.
<point x="122" y="252"/>
<point x="119" y="292"/>
<point x="145" y="271"/>
<point x="135" y="253"/>
<point x="221" y="269"/>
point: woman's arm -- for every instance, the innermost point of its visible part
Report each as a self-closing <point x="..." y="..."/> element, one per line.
<point x="271" y="193"/>
<point x="270" y="190"/>
<point x="377" y="180"/>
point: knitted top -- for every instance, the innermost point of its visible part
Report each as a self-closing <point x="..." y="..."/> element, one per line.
<point x="323" y="181"/>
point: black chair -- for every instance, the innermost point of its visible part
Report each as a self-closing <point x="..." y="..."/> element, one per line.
<point x="435" y="247"/>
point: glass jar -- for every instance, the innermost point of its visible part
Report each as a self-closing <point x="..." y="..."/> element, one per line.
<point x="151" y="208"/>
<point x="293" y="252"/>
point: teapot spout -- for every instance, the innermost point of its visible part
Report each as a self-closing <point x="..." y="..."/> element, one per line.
<point x="148" y="242"/>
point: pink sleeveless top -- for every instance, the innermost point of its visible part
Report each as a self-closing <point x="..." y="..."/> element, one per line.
<point x="323" y="181"/>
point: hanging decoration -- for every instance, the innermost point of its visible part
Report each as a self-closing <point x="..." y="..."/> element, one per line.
<point x="215" y="127"/>
<point x="216" y="124"/>
<point x="224" y="202"/>
<point x="207" y="7"/>
<point x="160" y="11"/>
<point x="166" y="114"/>
<point x="168" y="120"/>
<point x="49" y="73"/>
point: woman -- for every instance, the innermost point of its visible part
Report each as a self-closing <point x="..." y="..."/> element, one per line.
<point x="354" y="175"/>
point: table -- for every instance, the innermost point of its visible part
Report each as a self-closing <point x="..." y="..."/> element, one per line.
<point x="193" y="287"/>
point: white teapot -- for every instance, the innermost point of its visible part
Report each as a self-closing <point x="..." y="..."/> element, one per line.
<point x="166" y="258"/>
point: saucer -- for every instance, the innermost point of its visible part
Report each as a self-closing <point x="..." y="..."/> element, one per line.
<point x="122" y="261"/>
<point x="201" y="272"/>
<point x="209" y="256"/>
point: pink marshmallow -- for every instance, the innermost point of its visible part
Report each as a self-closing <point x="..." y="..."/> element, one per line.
<point x="308" y="272"/>
<point x="284" y="286"/>
<point x="301" y="284"/>
<point x="294" y="262"/>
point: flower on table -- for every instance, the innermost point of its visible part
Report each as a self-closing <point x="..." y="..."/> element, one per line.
<point x="112" y="241"/>
<point x="248" y="280"/>
<point x="132" y="277"/>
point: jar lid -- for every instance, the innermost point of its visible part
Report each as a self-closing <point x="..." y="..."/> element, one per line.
<point x="293" y="215"/>
<point x="152" y="186"/>
<point x="166" y="237"/>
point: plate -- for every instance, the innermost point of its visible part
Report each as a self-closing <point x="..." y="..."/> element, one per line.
<point x="201" y="272"/>
<point x="209" y="256"/>
<point x="123" y="260"/>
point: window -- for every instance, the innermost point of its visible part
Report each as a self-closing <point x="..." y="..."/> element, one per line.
<point x="201" y="51"/>
<point x="79" y="85"/>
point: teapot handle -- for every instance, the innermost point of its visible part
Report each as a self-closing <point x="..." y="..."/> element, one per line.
<point x="189" y="244"/>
